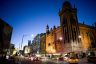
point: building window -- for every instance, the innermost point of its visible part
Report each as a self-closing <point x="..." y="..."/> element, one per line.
<point x="72" y="19"/>
<point x="49" y="44"/>
<point x="74" y="33"/>
<point x="64" y="21"/>
<point x="66" y="34"/>
<point x="87" y="33"/>
<point x="58" y="40"/>
<point x="68" y="38"/>
<point x="65" y="31"/>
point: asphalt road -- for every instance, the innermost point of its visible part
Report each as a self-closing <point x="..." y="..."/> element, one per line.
<point x="27" y="61"/>
<point x="49" y="62"/>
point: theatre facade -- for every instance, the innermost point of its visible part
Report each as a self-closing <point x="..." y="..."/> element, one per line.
<point x="70" y="36"/>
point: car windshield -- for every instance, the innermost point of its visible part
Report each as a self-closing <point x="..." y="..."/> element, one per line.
<point x="91" y="54"/>
<point x="73" y="56"/>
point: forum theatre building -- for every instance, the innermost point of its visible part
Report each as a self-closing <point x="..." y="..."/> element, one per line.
<point x="70" y="36"/>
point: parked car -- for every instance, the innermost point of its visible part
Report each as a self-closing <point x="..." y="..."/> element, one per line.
<point x="91" y="57"/>
<point x="66" y="56"/>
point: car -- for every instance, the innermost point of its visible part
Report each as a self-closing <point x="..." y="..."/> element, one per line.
<point x="66" y="56"/>
<point x="44" y="58"/>
<point x="73" y="59"/>
<point x="36" y="59"/>
<point x="31" y="58"/>
<point x="61" y="59"/>
<point x="91" y="57"/>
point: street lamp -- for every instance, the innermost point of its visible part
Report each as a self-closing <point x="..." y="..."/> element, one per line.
<point x="79" y="36"/>
<point x="60" y="38"/>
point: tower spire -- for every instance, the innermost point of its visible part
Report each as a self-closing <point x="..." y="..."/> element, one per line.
<point x="47" y="29"/>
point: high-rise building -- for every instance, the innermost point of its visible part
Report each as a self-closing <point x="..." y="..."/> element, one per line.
<point x="70" y="35"/>
<point x="5" y="35"/>
<point x="29" y="42"/>
<point x="38" y="44"/>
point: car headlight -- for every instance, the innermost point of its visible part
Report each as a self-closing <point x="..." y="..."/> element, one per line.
<point x="70" y="60"/>
<point x="76" y="60"/>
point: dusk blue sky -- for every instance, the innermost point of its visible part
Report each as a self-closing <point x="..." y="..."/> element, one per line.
<point x="32" y="16"/>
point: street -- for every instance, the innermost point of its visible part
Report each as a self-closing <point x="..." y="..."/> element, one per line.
<point x="50" y="61"/>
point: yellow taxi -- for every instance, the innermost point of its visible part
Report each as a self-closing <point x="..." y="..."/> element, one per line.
<point x="73" y="59"/>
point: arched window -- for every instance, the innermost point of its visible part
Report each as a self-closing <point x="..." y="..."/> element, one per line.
<point x="49" y="44"/>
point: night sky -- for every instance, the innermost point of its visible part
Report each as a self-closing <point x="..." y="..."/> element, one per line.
<point x="31" y="16"/>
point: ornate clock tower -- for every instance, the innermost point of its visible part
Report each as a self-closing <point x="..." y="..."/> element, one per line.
<point x="70" y="27"/>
